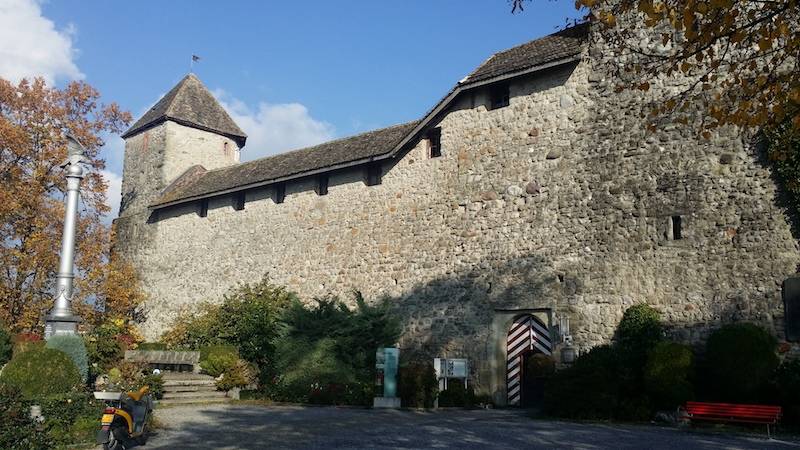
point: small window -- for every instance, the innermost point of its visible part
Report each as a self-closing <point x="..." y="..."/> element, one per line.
<point x="500" y="96"/>
<point x="238" y="201"/>
<point x="677" y="227"/>
<point x="203" y="207"/>
<point x="280" y="192"/>
<point x="322" y="184"/>
<point x="435" y="141"/>
<point x="374" y="173"/>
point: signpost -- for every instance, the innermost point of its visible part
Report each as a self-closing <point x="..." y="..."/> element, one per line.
<point x="447" y="368"/>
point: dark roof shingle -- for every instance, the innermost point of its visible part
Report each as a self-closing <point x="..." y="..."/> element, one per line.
<point x="560" y="45"/>
<point x="272" y="168"/>
<point x="190" y="103"/>
<point x="381" y="143"/>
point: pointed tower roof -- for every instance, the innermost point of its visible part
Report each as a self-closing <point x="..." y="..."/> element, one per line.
<point x="190" y="104"/>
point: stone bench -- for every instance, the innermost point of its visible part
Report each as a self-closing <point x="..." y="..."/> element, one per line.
<point x="166" y="359"/>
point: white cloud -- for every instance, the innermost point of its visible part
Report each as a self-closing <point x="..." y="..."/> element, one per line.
<point x="113" y="194"/>
<point x="30" y="44"/>
<point x="275" y="128"/>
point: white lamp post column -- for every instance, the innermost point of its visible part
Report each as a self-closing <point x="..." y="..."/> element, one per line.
<point x="61" y="320"/>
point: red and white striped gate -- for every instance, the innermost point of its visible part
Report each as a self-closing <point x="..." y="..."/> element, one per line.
<point x="527" y="332"/>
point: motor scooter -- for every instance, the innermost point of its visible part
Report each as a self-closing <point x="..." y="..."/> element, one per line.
<point x="124" y="419"/>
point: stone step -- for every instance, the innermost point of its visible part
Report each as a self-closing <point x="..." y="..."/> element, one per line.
<point x="198" y="382"/>
<point x="191" y="388"/>
<point x="197" y="395"/>
<point x="187" y="401"/>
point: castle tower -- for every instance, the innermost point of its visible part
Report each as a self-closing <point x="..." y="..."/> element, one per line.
<point x="187" y="127"/>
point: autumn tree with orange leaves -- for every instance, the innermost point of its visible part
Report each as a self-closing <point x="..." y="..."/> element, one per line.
<point x="33" y="119"/>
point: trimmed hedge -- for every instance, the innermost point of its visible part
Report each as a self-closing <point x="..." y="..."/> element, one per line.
<point x="73" y="346"/>
<point x="17" y="430"/>
<point x="41" y="372"/>
<point x="218" y="360"/>
<point x="740" y="361"/>
<point x="417" y="386"/>
<point x="667" y="375"/>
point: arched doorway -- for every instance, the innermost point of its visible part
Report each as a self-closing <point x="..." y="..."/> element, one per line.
<point x="528" y="334"/>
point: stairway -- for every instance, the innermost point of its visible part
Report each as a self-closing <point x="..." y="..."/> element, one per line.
<point x="183" y="387"/>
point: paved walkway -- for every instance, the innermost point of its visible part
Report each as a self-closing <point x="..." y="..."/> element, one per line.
<point x="238" y="426"/>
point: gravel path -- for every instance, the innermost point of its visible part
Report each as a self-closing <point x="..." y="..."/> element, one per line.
<point x="241" y="426"/>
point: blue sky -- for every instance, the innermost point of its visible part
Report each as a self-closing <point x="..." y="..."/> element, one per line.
<point x="291" y="73"/>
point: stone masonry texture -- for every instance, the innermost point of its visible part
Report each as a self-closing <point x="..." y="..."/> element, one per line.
<point x="560" y="202"/>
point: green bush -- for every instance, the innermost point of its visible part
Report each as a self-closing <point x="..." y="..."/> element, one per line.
<point x="787" y="384"/>
<point x="155" y="383"/>
<point x="456" y="395"/>
<point x="740" y="361"/>
<point x="218" y="362"/>
<point x="207" y="350"/>
<point x="417" y="386"/>
<point x="41" y="372"/>
<point x="103" y="348"/>
<point x="312" y="373"/>
<point x="241" y="374"/>
<point x="17" y="430"/>
<point x="638" y="332"/>
<point x="6" y="347"/>
<point x="150" y="346"/>
<point x="72" y="345"/>
<point x="71" y="418"/>
<point x="247" y="318"/>
<point x="667" y="375"/>
<point x="589" y="389"/>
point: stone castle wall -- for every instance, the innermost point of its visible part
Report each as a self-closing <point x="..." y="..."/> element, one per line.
<point x="560" y="202"/>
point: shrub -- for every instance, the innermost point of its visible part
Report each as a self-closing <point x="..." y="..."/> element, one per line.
<point x="17" y="430"/>
<point x="667" y="374"/>
<point x="218" y="362"/>
<point x="207" y="350"/>
<point x="787" y="383"/>
<point x="5" y="345"/>
<point x="312" y="373"/>
<point x="239" y="375"/>
<point x="72" y="345"/>
<point x="71" y="418"/>
<point x="639" y="331"/>
<point x="148" y="346"/>
<point x="417" y="386"/>
<point x="740" y="360"/>
<point x="456" y="395"/>
<point x="103" y="348"/>
<point x="155" y="383"/>
<point x="247" y="318"/>
<point x="589" y="389"/>
<point x="23" y="342"/>
<point x="41" y="372"/>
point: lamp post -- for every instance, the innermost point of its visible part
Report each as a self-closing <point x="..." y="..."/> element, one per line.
<point x="61" y="320"/>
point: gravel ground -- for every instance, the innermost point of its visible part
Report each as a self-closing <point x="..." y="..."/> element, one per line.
<point x="243" y="426"/>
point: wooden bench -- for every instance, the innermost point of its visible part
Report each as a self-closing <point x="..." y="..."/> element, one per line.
<point x="730" y="412"/>
<point x="166" y="359"/>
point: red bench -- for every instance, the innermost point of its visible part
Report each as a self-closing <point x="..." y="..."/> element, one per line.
<point x="729" y="412"/>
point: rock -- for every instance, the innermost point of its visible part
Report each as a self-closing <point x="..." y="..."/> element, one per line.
<point x="554" y="154"/>
<point x="726" y="158"/>
<point x="514" y="190"/>
<point x="488" y="195"/>
<point x="566" y="101"/>
<point x="532" y="188"/>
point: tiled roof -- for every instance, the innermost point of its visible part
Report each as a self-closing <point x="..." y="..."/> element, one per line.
<point x="361" y="147"/>
<point x="372" y="145"/>
<point x="560" y="45"/>
<point x="190" y="103"/>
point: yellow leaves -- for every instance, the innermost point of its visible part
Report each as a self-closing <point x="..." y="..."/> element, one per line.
<point x="644" y="86"/>
<point x="764" y="44"/>
<point x="608" y="19"/>
<point x="685" y="67"/>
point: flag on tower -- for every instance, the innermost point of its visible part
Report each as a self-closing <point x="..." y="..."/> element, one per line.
<point x="195" y="58"/>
